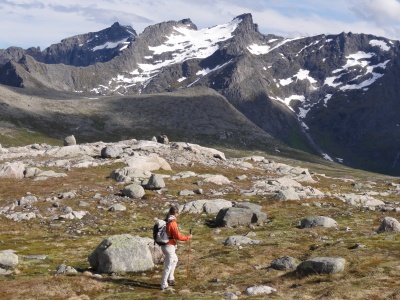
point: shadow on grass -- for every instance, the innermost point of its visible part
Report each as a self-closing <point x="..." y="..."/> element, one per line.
<point x="132" y="283"/>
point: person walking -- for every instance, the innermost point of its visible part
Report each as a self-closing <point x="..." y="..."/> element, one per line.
<point x="171" y="259"/>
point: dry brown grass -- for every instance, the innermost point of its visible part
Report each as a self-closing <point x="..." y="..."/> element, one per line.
<point x="371" y="272"/>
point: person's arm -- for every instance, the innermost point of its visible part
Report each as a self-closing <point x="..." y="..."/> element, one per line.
<point x="175" y="234"/>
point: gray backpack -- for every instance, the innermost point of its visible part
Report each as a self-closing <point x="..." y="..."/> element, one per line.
<point x="160" y="235"/>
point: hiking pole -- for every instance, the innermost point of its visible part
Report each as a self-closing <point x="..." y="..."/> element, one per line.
<point x="187" y="267"/>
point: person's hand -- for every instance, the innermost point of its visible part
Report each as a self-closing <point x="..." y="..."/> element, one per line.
<point x="190" y="236"/>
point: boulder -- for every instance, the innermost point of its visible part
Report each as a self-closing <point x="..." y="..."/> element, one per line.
<point x="27" y="200"/>
<point x="318" y="221"/>
<point x="234" y="216"/>
<point x="259" y="290"/>
<point x="321" y="265"/>
<point x="8" y="259"/>
<point x="216" y="179"/>
<point x="287" y="194"/>
<point x="117" y="207"/>
<point x="148" y="163"/>
<point x="389" y="224"/>
<point x="127" y="174"/>
<point x="156" y="182"/>
<point x="31" y="172"/>
<point x="285" y="263"/>
<point x="258" y="215"/>
<point x="207" y="206"/>
<point x="134" y="190"/>
<point x="239" y="240"/>
<point x="162" y="139"/>
<point x="122" y="253"/>
<point x="110" y="152"/>
<point x="69" y="140"/>
<point x="12" y="170"/>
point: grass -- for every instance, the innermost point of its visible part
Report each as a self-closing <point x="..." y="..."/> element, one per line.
<point x="370" y="273"/>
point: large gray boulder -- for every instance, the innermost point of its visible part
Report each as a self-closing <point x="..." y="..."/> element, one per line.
<point x="259" y="290"/>
<point x="156" y="182"/>
<point x="285" y="263"/>
<point x="234" y="216"/>
<point x="110" y="152"/>
<point x="321" y="265"/>
<point x="389" y="224"/>
<point x="239" y="240"/>
<point x="69" y="140"/>
<point x="12" y="170"/>
<point x="127" y="174"/>
<point x="148" y="163"/>
<point x="287" y="194"/>
<point x="8" y="259"/>
<point x="258" y="215"/>
<point x="122" y="253"/>
<point x="318" y="221"/>
<point x="207" y="206"/>
<point x="134" y="190"/>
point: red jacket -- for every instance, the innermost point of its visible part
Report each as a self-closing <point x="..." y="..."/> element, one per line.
<point x="174" y="234"/>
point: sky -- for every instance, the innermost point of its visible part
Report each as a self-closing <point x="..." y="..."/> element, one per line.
<point x="33" y="23"/>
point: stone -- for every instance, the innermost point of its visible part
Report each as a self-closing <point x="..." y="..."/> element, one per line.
<point x="239" y="240"/>
<point x="134" y="190"/>
<point x="31" y="172"/>
<point x="287" y="194"/>
<point x="156" y="182"/>
<point x="186" y="193"/>
<point x="8" y="259"/>
<point x="321" y="265"/>
<point x="117" y="207"/>
<point x="27" y="200"/>
<point x="12" y="170"/>
<point x="127" y="174"/>
<point x="162" y="139"/>
<point x="203" y="205"/>
<point x="110" y="152"/>
<point x="148" y="163"/>
<point x="234" y="216"/>
<point x="69" y="140"/>
<point x="389" y="224"/>
<point x="285" y="263"/>
<point x="217" y="179"/>
<point x="121" y="253"/>
<point x="64" y="269"/>
<point x="318" y="221"/>
<point x="259" y="290"/>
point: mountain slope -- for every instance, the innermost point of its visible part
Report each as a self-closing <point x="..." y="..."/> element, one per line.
<point x="196" y="114"/>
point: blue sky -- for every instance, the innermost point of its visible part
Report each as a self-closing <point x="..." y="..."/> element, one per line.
<point x="27" y="23"/>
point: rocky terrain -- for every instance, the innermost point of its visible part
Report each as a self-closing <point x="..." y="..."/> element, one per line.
<point x="334" y="96"/>
<point x="76" y="223"/>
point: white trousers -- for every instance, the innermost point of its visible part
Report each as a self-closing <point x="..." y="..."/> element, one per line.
<point x="170" y="262"/>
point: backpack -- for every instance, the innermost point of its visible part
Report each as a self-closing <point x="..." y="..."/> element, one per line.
<point x="160" y="235"/>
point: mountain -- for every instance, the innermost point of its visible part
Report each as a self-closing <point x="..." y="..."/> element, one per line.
<point x="331" y="95"/>
<point x="80" y="50"/>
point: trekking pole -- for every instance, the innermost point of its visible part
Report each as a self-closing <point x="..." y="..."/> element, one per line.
<point x="187" y="267"/>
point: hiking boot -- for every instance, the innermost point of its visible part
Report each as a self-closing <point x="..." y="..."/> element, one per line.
<point x="171" y="282"/>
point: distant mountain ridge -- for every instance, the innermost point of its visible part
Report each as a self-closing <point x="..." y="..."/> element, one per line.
<point x="332" y="95"/>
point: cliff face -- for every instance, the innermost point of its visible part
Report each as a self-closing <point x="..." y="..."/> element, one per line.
<point x="331" y="95"/>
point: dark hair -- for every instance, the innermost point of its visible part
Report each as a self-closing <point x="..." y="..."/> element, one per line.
<point x="172" y="212"/>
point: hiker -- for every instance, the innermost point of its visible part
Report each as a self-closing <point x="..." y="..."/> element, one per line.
<point x="171" y="259"/>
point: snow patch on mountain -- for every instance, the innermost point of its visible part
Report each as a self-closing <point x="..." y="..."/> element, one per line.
<point x="301" y="75"/>
<point x="380" y="44"/>
<point x="264" y="49"/>
<point x="207" y="70"/>
<point x="111" y="45"/>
